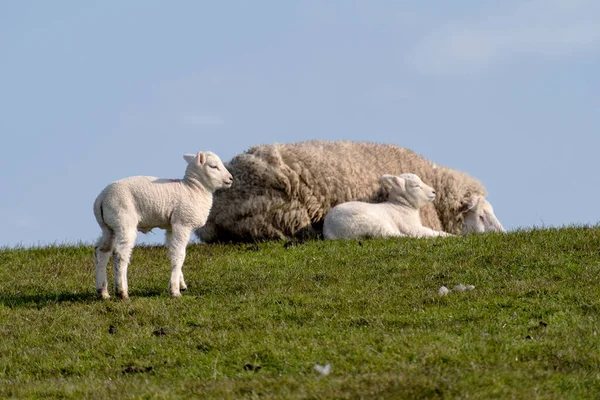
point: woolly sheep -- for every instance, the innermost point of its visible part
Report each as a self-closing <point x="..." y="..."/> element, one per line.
<point x="479" y="217"/>
<point x="285" y="190"/>
<point x="398" y="216"/>
<point x="141" y="203"/>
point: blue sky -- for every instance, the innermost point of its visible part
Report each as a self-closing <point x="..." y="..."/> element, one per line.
<point x="91" y="92"/>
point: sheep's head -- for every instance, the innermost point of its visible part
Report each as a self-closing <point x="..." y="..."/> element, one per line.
<point x="409" y="189"/>
<point x="208" y="168"/>
<point x="478" y="216"/>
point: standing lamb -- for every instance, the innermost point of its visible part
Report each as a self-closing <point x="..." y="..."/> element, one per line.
<point x="141" y="203"/>
<point x="285" y="190"/>
<point x="398" y="216"/>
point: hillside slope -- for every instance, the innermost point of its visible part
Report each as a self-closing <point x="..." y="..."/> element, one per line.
<point x="257" y="318"/>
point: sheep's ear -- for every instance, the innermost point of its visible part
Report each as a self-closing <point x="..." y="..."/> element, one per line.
<point x="189" y="158"/>
<point x="201" y="158"/>
<point x="469" y="203"/>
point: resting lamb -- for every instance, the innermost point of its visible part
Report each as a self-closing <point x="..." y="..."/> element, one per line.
<point x="398" y="216"/>
<point x="141" y="203"/>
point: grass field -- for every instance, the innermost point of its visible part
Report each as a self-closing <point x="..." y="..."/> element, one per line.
<point x="257" y="318"/>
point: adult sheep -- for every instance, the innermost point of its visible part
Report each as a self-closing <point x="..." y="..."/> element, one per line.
<point x="283" y="191"/>
<point x="141" y="203"/>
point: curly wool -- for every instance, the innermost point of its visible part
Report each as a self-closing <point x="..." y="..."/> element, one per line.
<point x="283" y="191"/>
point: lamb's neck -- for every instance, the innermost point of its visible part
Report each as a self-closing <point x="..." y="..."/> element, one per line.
<point x="196" y="186"/>
<point x="403" y="213"/>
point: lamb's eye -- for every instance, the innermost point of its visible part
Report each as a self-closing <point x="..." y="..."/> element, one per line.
<point x="214" y="166"/>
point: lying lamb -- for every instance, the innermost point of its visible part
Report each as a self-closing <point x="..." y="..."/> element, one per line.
<point x="398" y="216"/>
<point x="141" y="203"/>
<point x="283" y="191"/>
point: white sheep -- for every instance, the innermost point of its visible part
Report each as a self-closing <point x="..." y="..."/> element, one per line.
<point x="141" y="203"/>
<point x="283" y="191"/>
<point x="479" y="217"/>
<point x="398" y="216"/>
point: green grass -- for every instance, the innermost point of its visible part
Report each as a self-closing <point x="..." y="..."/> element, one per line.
<point x="371" y="309"/>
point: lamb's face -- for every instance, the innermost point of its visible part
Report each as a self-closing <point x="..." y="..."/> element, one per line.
<point x="409" y="188"/>
<point x="416" y="192"/>
<point x="479" y="217"/>
<point x="210" y="170"/>
<point x="218" y="176"/>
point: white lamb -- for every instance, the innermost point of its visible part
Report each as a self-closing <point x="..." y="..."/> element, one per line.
<point x="398" y="216"/>
<point x="141" y="203"/>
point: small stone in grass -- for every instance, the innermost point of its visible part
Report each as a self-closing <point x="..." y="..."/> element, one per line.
<point x="443" y="291"/>
<point x="462" y="288"/>
<point x="323" y="369"/>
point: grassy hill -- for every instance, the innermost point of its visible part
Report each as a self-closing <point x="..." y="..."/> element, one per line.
<point x="257" y="318"/>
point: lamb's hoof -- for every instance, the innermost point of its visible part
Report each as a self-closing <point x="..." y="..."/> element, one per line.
<point x="103" y="293"/>
<point x="183" y="288"/>
<point x="176" y="294"/>
<point x="123" y="296"/>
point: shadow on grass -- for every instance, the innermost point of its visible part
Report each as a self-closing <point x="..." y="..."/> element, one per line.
<point x="46" y="299"/>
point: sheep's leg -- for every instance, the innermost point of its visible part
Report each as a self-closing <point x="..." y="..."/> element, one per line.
<point x="124" y="242"/>
<point x="177" y="240"/>
<point x="102" y="252"/>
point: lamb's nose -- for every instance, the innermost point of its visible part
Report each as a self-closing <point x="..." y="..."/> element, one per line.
<point x="433" y="192"/>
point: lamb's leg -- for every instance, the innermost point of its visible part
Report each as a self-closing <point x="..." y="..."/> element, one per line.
<point x="124" y="242"/>
<point x="427" y="232"/>
<point x="443" y="234"/>
<point x="102" y="253"/>
<point x="177" y="240"/>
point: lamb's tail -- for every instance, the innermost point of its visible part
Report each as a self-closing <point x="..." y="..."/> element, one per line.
<point x="98" y="211"/>
<point x="105" y="242"/>
<point x="99" y="214"/>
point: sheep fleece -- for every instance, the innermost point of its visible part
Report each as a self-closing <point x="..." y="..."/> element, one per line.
<point x="282" y="191"/>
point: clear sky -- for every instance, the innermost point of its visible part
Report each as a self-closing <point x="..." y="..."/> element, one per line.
<point x="95" y="91"/>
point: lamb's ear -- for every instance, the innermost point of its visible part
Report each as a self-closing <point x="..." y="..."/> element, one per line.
<point x="399" y="183"/>
<point x="388" y="179"/>
<point x="394" y="181"/>
<point x="201" y="158"/>
<point x="189" y="158"/>
<point x="197" y="159"/>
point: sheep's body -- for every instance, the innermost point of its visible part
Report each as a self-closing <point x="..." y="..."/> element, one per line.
<point x="285" y="190"/>
<point x="398" y="216"/>
<point x="142" y="203"/>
